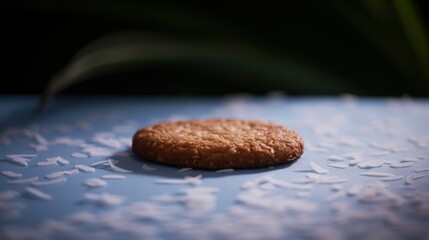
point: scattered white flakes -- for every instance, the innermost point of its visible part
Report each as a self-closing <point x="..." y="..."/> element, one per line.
<point x="118" y="169"/>
<point x="184" y="169"/>
<point x="84" y="168"/>
<point x="11" y="174"/>
<point x="107" y="139"/>
<point x="79" y="155"/>
<point x="20" y="159"/>
<point x="148" y="168"/>
<point x="318" y="169"/>
<point x="258" y="198"/>
<point x="336" y="158"/>
<point x="370" y="164"/>
<point x="97" y="151"/>
<point x="38" y="194"/>
<point x="53" y="161"/>
<point x="227" y="170"/>
<point x="268" y="179"/>
<point x="419" y="170"/>
<point x="103" y="162"/>
<point x="104" y="199"/>
<point x="335" y="196"/>
<point x="8" y="195"/>
<point x="378" y="154"/>
<point x="71" y="172"/>
<point x="113" y="177"/>
<point x="55" y="175"/>
<point x="95" y="182"/>
<point x="355" y="189"/>
<point x="285" y="184"/>
<point x="49" y="182"/>
<point x="22" y="181"/>
<point x="392" y="178"/>
<point x="377" y="174"/>
<point x="353" y="157"/>
<point x="46" y="163"/>
<point x="413" y="176"/>
<point x="332" y="180"/>
<point x="355" y="161"/>
<point x="186" y="180"/>
<point x="401" y="164"/>
<point x="339" y="165"/>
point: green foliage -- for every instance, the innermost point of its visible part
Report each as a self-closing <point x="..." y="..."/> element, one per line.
<point x="368" y="47"/>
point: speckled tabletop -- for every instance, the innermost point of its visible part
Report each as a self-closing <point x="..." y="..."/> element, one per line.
<point x="69" y="172"/>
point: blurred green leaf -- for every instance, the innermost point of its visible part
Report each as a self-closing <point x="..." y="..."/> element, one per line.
<point x="122" y="51"/>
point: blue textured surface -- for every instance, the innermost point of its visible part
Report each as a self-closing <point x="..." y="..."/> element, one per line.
<point x="387" y="129"/>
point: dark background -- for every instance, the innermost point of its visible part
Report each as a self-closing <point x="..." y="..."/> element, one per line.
<point x="362" y="43"/>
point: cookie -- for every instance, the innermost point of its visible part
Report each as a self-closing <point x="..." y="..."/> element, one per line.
<point x="218" y="143"/>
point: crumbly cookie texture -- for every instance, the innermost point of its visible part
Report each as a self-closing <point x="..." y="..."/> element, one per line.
<point x="218" y="143"/>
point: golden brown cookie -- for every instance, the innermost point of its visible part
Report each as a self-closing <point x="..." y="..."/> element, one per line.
<point x="218" y="143"/>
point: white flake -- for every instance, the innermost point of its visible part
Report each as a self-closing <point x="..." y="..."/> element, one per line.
<point x="378" y="154"/>
<point x="184" y="169"/>
<point x="53" y="161"/>
<point x="72" y="171"/>
<point x="370" y="164"/>
<point x="392" y="178"/>
<point x="49" y="182"/>
<point x="104" y="199"/>
<point x="107" y="140"/>
<point x="335" y="196"/>
<point x="148" y="168"/>
<point x="118" y="169"/>
<point x="103" y="162"/>
<point x="339" y="165"/>
<point x="355" y="189"/>
<point x="334" y="180"/>
<point x="113" y="177"/>
<point x="377" y="174"/>
<point x="419" y="170"/>
<point x="22" y="181"/>
<point x="11" y="174"/>
<point x="38" y="194"/>
<point x="97" y="151"/>
<point x="95" y="182"/>
<point x="318" y="169"/>
<point x="336" y="158"/>
<point x="413" y="176"/>
<point x="79" y="155"/>
<point x="84" y="168"/>
<point x="401" y="164"/>
<point x="186" y="180"/>
<point x="20" y="159"/>
<point x="55" y="174"/>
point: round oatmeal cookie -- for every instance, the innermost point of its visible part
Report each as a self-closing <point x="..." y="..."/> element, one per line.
<point x="218" y="143"/>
